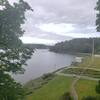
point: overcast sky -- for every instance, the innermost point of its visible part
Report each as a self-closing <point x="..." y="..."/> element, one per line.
<point x="58" y="20"/>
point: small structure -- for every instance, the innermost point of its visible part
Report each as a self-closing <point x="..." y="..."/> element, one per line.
<point x="96" y="55"/>
<point x="78" y="59"/>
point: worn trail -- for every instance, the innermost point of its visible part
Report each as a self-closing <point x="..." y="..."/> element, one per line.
<point x="77" y="78"/>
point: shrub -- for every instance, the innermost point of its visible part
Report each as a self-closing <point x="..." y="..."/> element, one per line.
<point x="98" y="87"/>
<point x="47" y="76"/>
<point x="66" y="96"/>
<point x="89" y="98"/>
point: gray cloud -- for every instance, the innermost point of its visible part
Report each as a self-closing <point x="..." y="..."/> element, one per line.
<point x="81" y="13"/>
<point x="73" y="11"/>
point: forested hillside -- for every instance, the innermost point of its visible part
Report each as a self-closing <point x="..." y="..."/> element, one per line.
<point x="79" y="45"/>
<point x="37" y="46"/>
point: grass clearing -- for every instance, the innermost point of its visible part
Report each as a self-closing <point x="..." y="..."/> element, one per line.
<point x="52" y="90"/>
<point x="86" y="88"/>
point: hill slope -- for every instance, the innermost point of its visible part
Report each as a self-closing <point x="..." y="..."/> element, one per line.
<point x="80" y="45"/>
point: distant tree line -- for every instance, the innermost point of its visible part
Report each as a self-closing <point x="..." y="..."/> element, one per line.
<point x="79" y="45"/>
<point x="37" y="46"/>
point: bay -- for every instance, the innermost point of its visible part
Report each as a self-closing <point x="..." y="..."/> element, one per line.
<point x="43" y="61"/>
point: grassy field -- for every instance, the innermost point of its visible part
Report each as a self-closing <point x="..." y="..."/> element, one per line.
<point x="38" y="83"/>
<point x="53" y="90"/>
<point x="84" y="72"/>
<point x="86" y="88"/>
<point x="88" y="62"/>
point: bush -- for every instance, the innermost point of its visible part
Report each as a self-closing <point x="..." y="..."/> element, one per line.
<point x="47" y="76"/>
<point x="98" y="87"/>
<point x="74" y="63"/>
<point x="89" y="98"/>
<point x="66" y="96"/>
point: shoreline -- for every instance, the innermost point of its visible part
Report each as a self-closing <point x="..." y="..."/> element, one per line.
<point x="74" y="53"/>
<point x="54" y="72"/>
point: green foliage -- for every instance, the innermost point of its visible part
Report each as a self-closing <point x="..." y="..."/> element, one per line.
<point x="90" y="98"/>
<point x="13" y="53"/>
<point x="81" y="45"/>
<point x="98" y="87"/>
<point x="66" y="96"/>
<point x="9" y="89"/>
<point x="47" y="76"/>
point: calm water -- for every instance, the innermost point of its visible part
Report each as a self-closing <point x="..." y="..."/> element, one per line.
<point x="44" y="61"/>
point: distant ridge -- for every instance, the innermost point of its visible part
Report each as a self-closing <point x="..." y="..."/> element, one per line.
<point x="37" y="46"/>
<point x="78" y="45"/>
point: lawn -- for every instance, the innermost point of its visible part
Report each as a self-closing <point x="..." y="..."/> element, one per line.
<point x="86" y="88"/>
<point x="52" y="90"/>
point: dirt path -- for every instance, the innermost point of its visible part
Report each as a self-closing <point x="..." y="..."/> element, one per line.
<point x="73" y="90"/>
<point x="77" y="77"/>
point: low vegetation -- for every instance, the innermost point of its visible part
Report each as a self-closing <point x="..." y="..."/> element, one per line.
<point x="86" y="89"/>
<point x="90" y="98"/>
<point x="89" y="62"/>
<point x="84" y="72"/>
<point x="53" y="90"/>
<point x="98" y="87"/>
<point x="66" y="96"/>
<point x="38" y="83"/>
